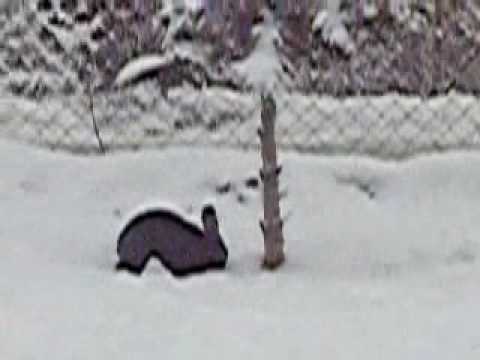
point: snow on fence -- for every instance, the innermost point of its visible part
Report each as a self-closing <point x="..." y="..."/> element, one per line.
<point x="404" y="91"/>
<point x="388" y="126"/>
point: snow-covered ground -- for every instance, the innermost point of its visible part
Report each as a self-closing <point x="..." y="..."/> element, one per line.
<point x="382" y="259"/>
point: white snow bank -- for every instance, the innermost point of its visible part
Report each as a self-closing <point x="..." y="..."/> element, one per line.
<point x="142" y="65"/>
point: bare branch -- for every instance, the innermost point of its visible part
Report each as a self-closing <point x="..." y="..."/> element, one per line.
<point x="96" y="129"/>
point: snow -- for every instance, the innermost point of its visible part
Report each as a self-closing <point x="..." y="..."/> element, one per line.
<point x="382" y="258"/>
<point x="333" y="31"/>
<point x="142" y="65"/>
<point x="194" y="5"/>
<point x="262" y="67"/>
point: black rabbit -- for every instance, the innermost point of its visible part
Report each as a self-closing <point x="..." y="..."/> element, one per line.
<point x="180" y="246"/>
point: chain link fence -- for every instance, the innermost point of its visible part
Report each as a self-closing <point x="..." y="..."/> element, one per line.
<point x="402" y="93"/>
<point x="389" y="126"/>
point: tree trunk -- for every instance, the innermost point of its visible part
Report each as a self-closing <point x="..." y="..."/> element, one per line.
<point x="272" y="223"/>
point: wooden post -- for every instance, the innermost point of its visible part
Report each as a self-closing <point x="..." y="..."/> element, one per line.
<point x="272" y="223"/>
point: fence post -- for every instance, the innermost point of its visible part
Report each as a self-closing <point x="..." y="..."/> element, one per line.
<point x="272" y="223"/>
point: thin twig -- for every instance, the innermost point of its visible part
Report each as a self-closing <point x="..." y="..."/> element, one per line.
<point x="92" y="113"/>
<point x="94" y="122"/>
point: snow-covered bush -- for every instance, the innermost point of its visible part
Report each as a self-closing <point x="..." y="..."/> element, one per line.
<point x="125" y="31"/>
<point x="229" y="24"/>
<point x="294" y="23"/>
<point x="327" y="46"/>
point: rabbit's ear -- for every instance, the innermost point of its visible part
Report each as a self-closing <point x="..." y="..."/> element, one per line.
<point x="208" y="211"/>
